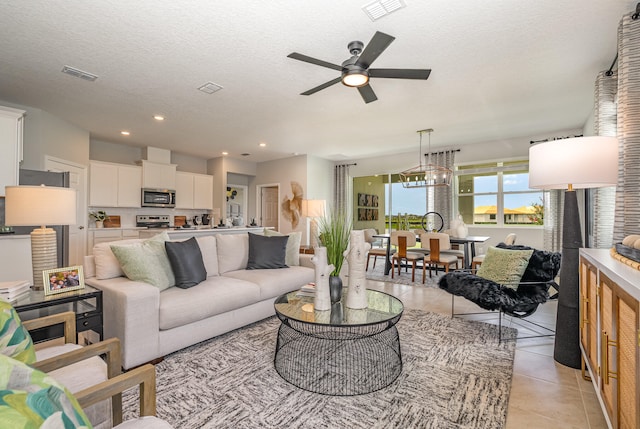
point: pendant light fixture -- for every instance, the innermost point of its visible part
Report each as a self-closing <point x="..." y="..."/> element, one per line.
<point x="426" y="175"/>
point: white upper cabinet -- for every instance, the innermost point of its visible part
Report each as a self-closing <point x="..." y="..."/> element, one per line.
<point x="158" y="176"/>
<point x="11" y="121"/>
<point x="194" y="191"/>
<point x="114" y="185"/>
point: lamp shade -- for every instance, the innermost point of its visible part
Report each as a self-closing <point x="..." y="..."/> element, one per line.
<point x="582" y="162"/>
<point x="40" y="205"/>
<point x="313" y="208"/>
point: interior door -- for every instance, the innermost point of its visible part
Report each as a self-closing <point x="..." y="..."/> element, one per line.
<point x="269" y="206"/>
<point x="77" y="181"/>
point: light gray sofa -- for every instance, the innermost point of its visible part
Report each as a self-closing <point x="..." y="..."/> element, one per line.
<point x="151" y="323"/>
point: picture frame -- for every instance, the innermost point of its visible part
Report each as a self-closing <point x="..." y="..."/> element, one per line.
<point x="59" y="280"/>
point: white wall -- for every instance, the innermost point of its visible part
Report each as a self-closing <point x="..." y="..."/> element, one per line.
<point x="319" y="179"/>
<point x="114" y="152"/>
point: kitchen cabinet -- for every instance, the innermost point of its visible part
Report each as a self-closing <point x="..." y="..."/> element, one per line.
<point x="158" y="176"/>
<point x="11" y="124"/>
<point x="610" y="334"/>
<point x="114" y="185"/>
<point x="194" y="191"/>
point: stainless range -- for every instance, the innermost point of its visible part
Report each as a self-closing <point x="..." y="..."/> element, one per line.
<point x="153" y="221"/>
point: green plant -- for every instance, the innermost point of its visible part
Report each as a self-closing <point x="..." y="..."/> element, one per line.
<point x="99" y="216"/>
<point x="334" y="235"/>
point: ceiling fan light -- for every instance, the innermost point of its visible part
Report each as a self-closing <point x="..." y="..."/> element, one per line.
<point x="355" y="78"/>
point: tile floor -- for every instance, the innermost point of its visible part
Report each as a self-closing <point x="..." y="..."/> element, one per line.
<point x="544" y="394"/>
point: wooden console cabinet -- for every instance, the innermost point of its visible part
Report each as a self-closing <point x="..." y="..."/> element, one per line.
<point x="610" y="334"/>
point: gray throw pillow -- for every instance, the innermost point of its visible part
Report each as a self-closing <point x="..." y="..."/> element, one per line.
<point x="186" y="262"/>
<point x="267" y="252"/>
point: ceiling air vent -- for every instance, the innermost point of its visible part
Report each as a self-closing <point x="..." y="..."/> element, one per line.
<point x="245" y="154"/>
<point x="79" y="73"/>
<point x="210" y="88"/>
<point x="381" y="8"/>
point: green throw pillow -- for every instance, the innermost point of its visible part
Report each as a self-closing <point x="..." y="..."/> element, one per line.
<point x="505" y="267"/>
<point x="146" y="261"/>
<point x="292" y="255"/>
<point x="31" y="399"/>
<point x="15" y="340"/>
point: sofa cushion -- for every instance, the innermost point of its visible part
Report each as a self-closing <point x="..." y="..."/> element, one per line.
<point x="273" y="283"/>
<point x="15" y="340"/>
<point x="209" y="254"/>
<point x="292" y="257"/>
<point x="214" y="296"/>
<point x="107" y="265"/>
<point x="186" y="262"/>
<point x="233" y="252"/>
<point x="504" y="267"/>
<point x="266" y="252"/>
<point x="146" y="261"/>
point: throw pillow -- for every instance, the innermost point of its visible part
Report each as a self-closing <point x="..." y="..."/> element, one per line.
<point x="504" y="267"/>
<point x="15" y="340"/>
<point x="267" y="252"/>
<point x="209" y="252"/>
<point x="292" y="257"/>
<point x="186" y="262"/>
<point x="107" y="265"/>
<point x="146" y="261"/>
<point x="31" y="399"/>
<point x="233" y="252"/>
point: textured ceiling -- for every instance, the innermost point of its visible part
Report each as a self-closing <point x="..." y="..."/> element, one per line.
<point x="500" y="69"/>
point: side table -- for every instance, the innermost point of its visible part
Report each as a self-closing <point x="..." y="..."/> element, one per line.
<point x="86" y="303"/>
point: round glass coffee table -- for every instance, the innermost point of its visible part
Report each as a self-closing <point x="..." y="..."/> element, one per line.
<point x="339" y="351"/>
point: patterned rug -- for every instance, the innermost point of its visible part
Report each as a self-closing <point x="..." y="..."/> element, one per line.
<point x="404" y="278"/>
<point x="455" y="375"/>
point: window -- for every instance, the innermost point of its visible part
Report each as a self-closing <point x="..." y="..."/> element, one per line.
<point x="498" y="194"/>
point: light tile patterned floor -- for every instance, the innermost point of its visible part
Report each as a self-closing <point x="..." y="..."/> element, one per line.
<point x="544" y="394"/>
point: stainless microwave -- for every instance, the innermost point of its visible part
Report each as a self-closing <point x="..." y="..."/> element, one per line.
<point x="158" y="198"/>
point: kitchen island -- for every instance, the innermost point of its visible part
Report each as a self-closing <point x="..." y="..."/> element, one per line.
<point x="183" y="233"/>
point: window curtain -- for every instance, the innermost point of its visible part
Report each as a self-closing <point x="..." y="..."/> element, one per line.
<point x="604" y="199"/>
<point x="342" y="191"/>
<point x="553" y="212"/>
<point x="440" y="198"/>
<point x="627" y="211"/>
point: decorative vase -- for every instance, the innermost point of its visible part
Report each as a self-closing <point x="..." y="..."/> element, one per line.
<point x="335" y="288"/>
<point x="99" y="224"/>
<point x="356" y="255"/>
<point x="336" y="314"/>
<point x="322" y="300"/>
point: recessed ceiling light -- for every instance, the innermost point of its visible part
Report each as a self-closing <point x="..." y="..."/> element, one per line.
<point x="158" y="117"/>
<point x="225" y="153"/>
<point x="263" y="144"/>
<point x="125" y="133"/>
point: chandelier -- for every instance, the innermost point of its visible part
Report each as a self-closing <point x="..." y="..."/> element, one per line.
<point x="426" y="175"/>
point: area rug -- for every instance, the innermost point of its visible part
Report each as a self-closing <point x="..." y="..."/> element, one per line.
<point x="455" y="375"/>
<point x="404" y="278"/>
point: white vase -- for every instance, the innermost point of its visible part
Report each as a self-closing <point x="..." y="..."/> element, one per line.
<point x="99" y="224"/>
<point x="322" y="300"/>
<point x="356" y="255"/>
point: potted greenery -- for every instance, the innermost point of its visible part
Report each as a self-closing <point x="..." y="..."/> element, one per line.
<point x="99" y="216"/>
<point x="334" y="235"/>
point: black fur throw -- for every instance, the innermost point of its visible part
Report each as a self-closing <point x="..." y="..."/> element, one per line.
<point x="532" y="291"/>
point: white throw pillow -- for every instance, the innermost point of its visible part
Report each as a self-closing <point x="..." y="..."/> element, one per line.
<point x="292" y="257"/>
<point x="107" y="265"/>
<point x="209" y="254"/>
<point x="233" y="252"/>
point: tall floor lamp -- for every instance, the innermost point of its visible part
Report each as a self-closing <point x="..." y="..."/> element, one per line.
<point x="312" y="209"/>
<point x="40" y="205"/>
<point x="576" y="163"/>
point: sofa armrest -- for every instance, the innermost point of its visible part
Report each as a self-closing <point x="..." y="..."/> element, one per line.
<point x="131" y="314"/>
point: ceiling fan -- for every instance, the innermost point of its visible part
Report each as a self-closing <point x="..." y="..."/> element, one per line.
<point x="355" y="71"/>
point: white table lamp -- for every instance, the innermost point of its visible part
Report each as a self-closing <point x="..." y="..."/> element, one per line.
<point x="576" y="163"/>
<point x="313" y="209"/>
<point x="40" y="205"/>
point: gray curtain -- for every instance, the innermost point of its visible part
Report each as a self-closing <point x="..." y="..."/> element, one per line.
<point x="604" y="199"/>
<point x="342" y="192"/>
<point x="627" y="212"/>
<point x="553" y="212"/>
<point x="440" y="198"/>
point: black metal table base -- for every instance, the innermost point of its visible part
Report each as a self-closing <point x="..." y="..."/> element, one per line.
<point x="339" y="361"/>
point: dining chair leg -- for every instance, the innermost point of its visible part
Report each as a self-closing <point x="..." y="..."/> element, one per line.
<point x="413" y="272"/>
<point x="367" y="267"/>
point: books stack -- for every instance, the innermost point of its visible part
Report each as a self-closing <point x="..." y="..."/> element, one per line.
<point x="307" y="290"/>
<point x="12" y="290"/>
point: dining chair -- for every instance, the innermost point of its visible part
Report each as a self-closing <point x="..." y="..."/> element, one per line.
<point x="436" y="243"/>
<point x="509" y="240"/>
<point x="374" y="251"/>
<point x="404" y="240"/>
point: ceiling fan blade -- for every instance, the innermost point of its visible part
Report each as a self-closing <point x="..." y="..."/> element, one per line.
<point x="400" y="73"/>
<point x="367" y="93"/>
<point x="321" y="87"/>
<point x="306" y="59"/>
<point x="379" y="42"/>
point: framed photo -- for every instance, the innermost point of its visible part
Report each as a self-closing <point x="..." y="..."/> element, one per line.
<point x="58" y="280"/>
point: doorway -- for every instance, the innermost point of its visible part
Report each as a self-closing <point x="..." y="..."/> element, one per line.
<point x="269" y="208"/>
